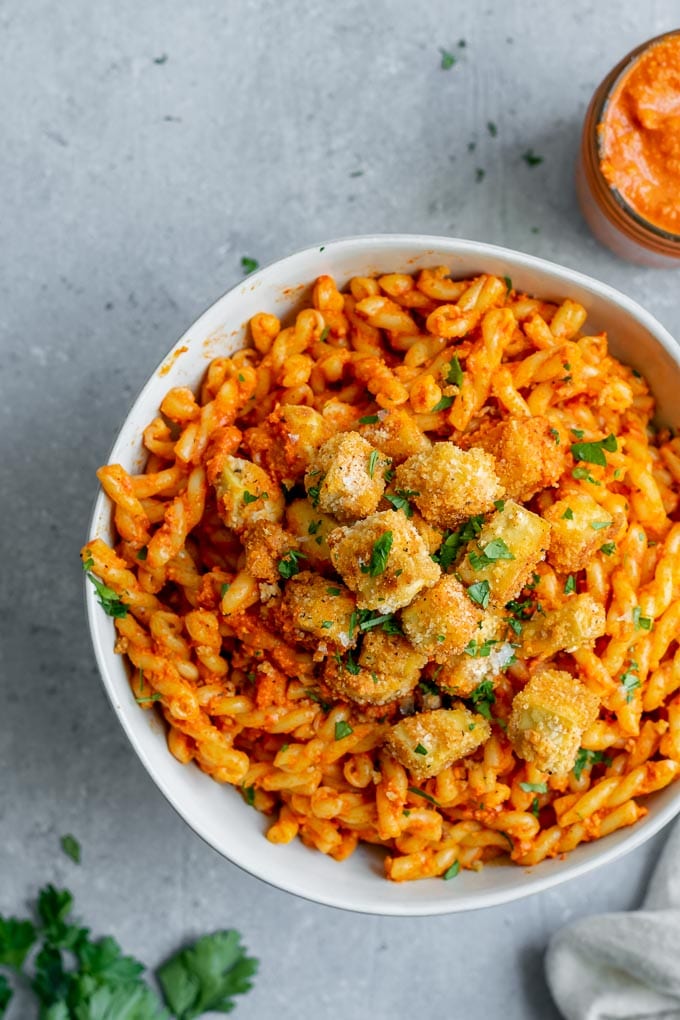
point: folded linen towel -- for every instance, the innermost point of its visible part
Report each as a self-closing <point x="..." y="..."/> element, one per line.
<point x="624" y="966"/>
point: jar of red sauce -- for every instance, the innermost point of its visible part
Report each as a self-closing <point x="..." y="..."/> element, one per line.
<point x="628" y="173"/>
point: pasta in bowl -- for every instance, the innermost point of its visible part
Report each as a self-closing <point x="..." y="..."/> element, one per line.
<point x="400" y="562"/>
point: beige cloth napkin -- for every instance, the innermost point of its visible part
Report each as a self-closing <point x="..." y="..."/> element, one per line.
<point x="624" y="966"/>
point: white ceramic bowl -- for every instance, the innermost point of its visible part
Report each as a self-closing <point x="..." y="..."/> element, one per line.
<point x="218" y="813"/>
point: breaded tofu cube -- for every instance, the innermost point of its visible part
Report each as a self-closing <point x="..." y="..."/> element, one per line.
<point x="578" y="527"/>
<point x="450" y="484"/>
<point x="505" y="553"/>
<point x="396" y="434"/>
<point x="311" y="528"/>
<point x="265" y="543"/>
<point x="440" y="621"/>
<point x="387" y="668"/>
<point x="287" y="440"/>
<point x="432" y="537"/>
<point x="485" y="657"/>
<point x="528" y="457"/>
<point x="577" y="622"/>
<point x="548" y="719"/>
<point x="346" y="477"/>
<point x="246" y="493"/>
<point x="319" y="607"/>
<point x="384" y="560"/>
<point x="429" y="742"/>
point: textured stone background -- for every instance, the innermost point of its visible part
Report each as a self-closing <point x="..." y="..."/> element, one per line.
<point x="146" y="147"/>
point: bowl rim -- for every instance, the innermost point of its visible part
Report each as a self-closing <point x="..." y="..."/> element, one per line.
<point x="279" y="876"/>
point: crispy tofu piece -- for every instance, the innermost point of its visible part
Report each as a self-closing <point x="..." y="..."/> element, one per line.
<point x="287" y="441"/>
<point x="346" y="477"/>
<point x="319" y="607"/>
<point x="577" y="622"/>
<point x="396" y="434"/>
<point x="246" y="493"/>
<point x="576" y="531"/>
<point x="548" y="719"/>
<point x="383" y="559"/>
<point x="429" y="742"/>
<point x="440" y="621"/>
<point x="528" y="458"/>
<point x="311" y="528"/>
<point x="487" y="656"/>
<point x="387" y="668"/>
<point x="265" y="543"/>
<point x="451" y="484"/>
<point x="432" y="537"/>
<point x="524" y="534"/>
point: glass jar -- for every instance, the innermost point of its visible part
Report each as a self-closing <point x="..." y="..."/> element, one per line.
<point x="610" y="217"/>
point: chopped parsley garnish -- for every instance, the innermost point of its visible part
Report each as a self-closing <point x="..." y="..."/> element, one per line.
<point x="327" y="624"/>
<point x="480" y="174"/>
<point x="143" y="553"/>
<point x="241" y="377"/>
<point x="630" y="680"/>
<point x="249" y="265"/>
<point x="576" y="433"/>
<point x="419" y="749"/>
<point x="448" y="60"/>
<point x="570" y="585"/>
<point x="454" y="374"/>
<point x="369" y="419"/>
<point x="425" y="796"/>
<point x="400" y="500"/>
<point x="313" y="527"/>
<point x="535" y="806"/>
<point x="316" y="697"/>
<point x="499" y="504"/>
<point x="599" y="525"/>
<point x="372" y="461"/>
<point x="568" y="514"/>
<point x="248" y="794"/>
<point x="332" y="591"/>
<point x="323" y="336"/>
<point x="453" y="540"/>
<point x="386" y="621"/>
<point x="494" y="550"/>
<point x="609" y="548"/>
<point x="508" y="284"/>
<point x="556" y="436"/>
<point x="111" y="603"/>
<point x="442" y="405"/>
<point x="289" y="566"/>
<point x="427" y="687"/>
<point x="493" y="131"/>
<point x="71" y="847"/>
<point x="483" y="698"/>
<point x="480" y="593"/>
<point x="581" y="472"/>
<point x="379" y="555"/>
<point x="452" y="871"/>
<point x="342" y="729"/>
<point x="248" y="497"/>
<point x="151" y="698"/>
<point x="531" y="159"/>
<point x="586" y="759"/>
<point x="481" y="650"/>
<point x="641" y="622"/>
<point x="593" y="453"/>
<point x="224" y="588"/>
<point x="534" y="787"/>
<point x="520" y="610"/>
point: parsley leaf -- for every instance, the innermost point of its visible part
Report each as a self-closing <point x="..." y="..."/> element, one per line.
<point x="480" y="593"/>
<point x="593" y="453"/>
<point x="556" y="436"/>
<point x="369" y="419"/>
<point x="448" y="60"/>
<point x="568" y="514"/>
<point x="372" y="461"/>
<point x="425" y="796"/>
<point x="16" y="940"/>
<point x="480" y="651"/>
<point x="379" y="555"/>
<point x="249" y="265"/>
<point x="534" y="787"/>
<point x="586" y="759"/>
<point x="400" y="500"/>
<point x="289" y="566"/>
<point x="248" y="497"/>
<point x="494" y="550"/>
<point x="110" y="602"/>
<point x="419" y="749"/>
<point x="630" y="680"/>
<point x="5" y="994"/>
<point x="570" y="585"/>
<point x="207" y="975"/>
<point x="442" y="405"/>
<point x="493" y="131"/>
<point x="582" y="472"/>
<point x="599" y="525"/>
<point x="452" y="871"/>
<point x="453" y="540"/>
<point x="531" y="159"/>
<point x="71" y="847"/>
<point x="483" y="697"/>
<point x="342" y="729"/>
<point x="641" y="622"/>
<point x="455" y="373"/>
<point x="609" y="548"/>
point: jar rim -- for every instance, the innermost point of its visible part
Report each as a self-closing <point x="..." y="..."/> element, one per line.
<point x="626" y="65"/>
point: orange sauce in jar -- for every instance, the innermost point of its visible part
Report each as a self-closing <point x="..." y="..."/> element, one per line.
<point x="639" y="135"/>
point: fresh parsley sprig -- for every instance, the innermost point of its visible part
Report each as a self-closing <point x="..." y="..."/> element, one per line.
<point x="108" y="599"/>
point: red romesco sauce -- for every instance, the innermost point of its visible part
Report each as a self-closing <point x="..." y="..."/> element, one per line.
<point x="640" y="136"/>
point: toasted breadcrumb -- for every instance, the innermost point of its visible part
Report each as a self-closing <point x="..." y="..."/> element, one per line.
<point x="452" y="484"/>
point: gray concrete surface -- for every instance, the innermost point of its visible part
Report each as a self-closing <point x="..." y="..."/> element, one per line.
<point x="146" y="147"/>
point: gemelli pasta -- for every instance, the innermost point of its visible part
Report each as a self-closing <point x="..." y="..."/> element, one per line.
<point x="406" y="572"/>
